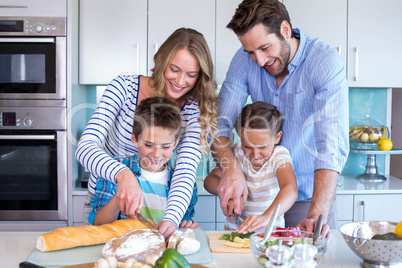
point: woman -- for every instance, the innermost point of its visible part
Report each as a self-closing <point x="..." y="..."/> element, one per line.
<point x="183" y="73"/>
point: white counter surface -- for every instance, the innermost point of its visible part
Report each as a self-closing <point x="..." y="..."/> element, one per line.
<point x="15" y="247"/>
<point x="350" y="185"/>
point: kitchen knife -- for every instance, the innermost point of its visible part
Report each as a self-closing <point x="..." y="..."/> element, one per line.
<point x="148" y="224"/>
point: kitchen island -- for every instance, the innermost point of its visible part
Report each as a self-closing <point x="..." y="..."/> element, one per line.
<point x="15" y="247"/>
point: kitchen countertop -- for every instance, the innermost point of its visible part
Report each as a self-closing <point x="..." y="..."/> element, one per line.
<point x="15" y="247"/>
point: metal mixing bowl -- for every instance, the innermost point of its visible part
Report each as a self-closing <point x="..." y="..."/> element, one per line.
<point x="375" y="253"/>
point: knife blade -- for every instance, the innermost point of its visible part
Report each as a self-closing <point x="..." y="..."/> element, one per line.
<point x="148" y="224"/>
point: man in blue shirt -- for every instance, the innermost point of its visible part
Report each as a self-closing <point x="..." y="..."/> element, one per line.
<point x="306" y="80"/>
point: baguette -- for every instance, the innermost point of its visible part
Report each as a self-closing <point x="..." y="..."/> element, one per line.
<point x="85" y="235"/>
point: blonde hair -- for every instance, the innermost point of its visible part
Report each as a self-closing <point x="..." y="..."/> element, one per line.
<point x="205" y="87"/>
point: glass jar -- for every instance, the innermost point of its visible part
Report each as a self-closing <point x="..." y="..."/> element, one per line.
<point x="364" y="133"/>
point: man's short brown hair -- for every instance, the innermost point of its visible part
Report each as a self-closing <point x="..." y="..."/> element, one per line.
<point x="271" y="13"/>
<point x="157" y="112"/>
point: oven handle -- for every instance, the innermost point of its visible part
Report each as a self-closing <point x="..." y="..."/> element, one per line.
<point x="27" y="137"/>
<point x="27" y="40"/>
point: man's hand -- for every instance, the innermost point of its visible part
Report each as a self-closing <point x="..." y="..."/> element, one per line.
<point x="309" y="225"/>
<point x="166" y="228"/>
<point x="232" y="185"/>
<point x="129" y="195"/>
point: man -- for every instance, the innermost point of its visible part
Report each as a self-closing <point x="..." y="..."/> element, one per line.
<point x="305" y="79"/>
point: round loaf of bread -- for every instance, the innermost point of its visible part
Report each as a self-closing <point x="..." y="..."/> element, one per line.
<point x="137" y="244"/>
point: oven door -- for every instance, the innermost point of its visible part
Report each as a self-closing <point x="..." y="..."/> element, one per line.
<point x="33" y="176"/>
<point x="33" y="68"/>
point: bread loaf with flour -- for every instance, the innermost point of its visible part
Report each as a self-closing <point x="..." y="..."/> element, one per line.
<point x="138" y="244"/>
<point x="85" y="235"/>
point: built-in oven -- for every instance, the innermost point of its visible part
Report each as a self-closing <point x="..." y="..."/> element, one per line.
<point x="32" y="58"/>
<point x="33" y="142"/>
<point x="33" y="162"/>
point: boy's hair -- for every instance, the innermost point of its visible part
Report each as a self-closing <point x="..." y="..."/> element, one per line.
<point x="260" y="115"/>
<point x="157" y="112"/>
<point x="270" y="13"/>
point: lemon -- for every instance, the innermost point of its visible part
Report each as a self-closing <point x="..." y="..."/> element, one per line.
<point x="398" y="229"/>
<point x="384" y="145"/>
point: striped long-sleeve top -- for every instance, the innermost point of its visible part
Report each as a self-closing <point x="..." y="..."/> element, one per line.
<point x="108" y="133"/>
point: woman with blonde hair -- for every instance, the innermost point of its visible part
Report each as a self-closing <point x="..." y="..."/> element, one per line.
<point x="183" y="73"/>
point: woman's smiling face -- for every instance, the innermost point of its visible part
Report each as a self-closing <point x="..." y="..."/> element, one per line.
<point x="181" y="75"/>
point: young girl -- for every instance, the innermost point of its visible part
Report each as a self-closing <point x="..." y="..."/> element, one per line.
<point x="266" y="165"/>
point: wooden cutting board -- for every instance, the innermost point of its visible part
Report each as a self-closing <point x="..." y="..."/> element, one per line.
<point x="217" y="245"/>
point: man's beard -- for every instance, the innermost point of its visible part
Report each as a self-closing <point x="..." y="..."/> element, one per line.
<point x="284" y="56"/>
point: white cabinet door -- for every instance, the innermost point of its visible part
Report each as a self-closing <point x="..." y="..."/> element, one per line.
<point x="227" y="42"/>
<point x="167" y="16"/>
<point x="113" y="38"/>
<point x="323" y="19"/>
<point x="374" y="43"/>
<point x="37" y="8"/>
<point x="386" y="207"/>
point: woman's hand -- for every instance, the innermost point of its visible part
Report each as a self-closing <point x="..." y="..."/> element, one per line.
<point x="189" y="224"/>
<point x="166" y="228"/>
<point x="252" y="223"/>
<point x="129" y="196"/>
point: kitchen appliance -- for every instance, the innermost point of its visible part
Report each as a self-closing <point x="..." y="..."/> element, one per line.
<point x="33" y="140"/>
<point x="33" y="161"/>
<point x="32" y="58"/>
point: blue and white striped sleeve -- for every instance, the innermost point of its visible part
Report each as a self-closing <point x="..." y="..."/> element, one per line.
<point x="184" y="176"/>
<point x="89" y="152"/>
<point x="233" y="94"/>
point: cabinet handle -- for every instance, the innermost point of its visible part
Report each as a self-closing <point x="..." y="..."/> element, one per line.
<point x="363" y="210"/>
<point x="356" y="63"/>
<point x="138" y="58"/>
<point x="10" y="6"/>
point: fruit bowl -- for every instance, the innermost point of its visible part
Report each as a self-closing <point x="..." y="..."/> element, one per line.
<point x="365" y="133"/>
<point x="289" y="239"/>
<point x="375" y="253"/>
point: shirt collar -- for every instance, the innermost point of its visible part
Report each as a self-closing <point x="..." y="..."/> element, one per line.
<point x="300" y="50"/>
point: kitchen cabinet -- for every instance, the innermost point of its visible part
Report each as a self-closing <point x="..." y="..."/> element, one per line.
<point x="369" y="47"/>
<point x="375" y="207"/>
<point x="112" y="40"/>
<point x="374" y="43"/>
<point x="78" y="209"/>
<point x="344" y="207"/>
<point x="165" y="17"/>
<point x="37" y="8"/>
<point x="227" y="42"/>
<point x="122" y="37"/>
<point x="326" y="20"/>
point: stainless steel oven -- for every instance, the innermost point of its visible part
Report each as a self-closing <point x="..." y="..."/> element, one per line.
<point x="33" y="162"/>
<point x="32" y="58"/>
<point x="33" y="142"/>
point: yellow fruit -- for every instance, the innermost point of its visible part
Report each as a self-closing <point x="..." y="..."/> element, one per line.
<point x="364" y="137"/>
<point x="384" y="145"/>
<point x="384" y="132"/>
<point x="398" y="229"/>
<point x="374" y="137"/>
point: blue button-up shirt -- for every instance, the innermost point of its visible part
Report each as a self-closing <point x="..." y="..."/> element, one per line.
<point x="313" y="98"/>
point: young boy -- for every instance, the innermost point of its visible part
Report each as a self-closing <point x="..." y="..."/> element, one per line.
<point x="266" y="165"/>
<point x="156" y="131"/>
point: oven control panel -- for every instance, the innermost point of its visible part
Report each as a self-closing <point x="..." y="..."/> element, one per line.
<point x="33" y="26"/>
<point x="49" y="118"/>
